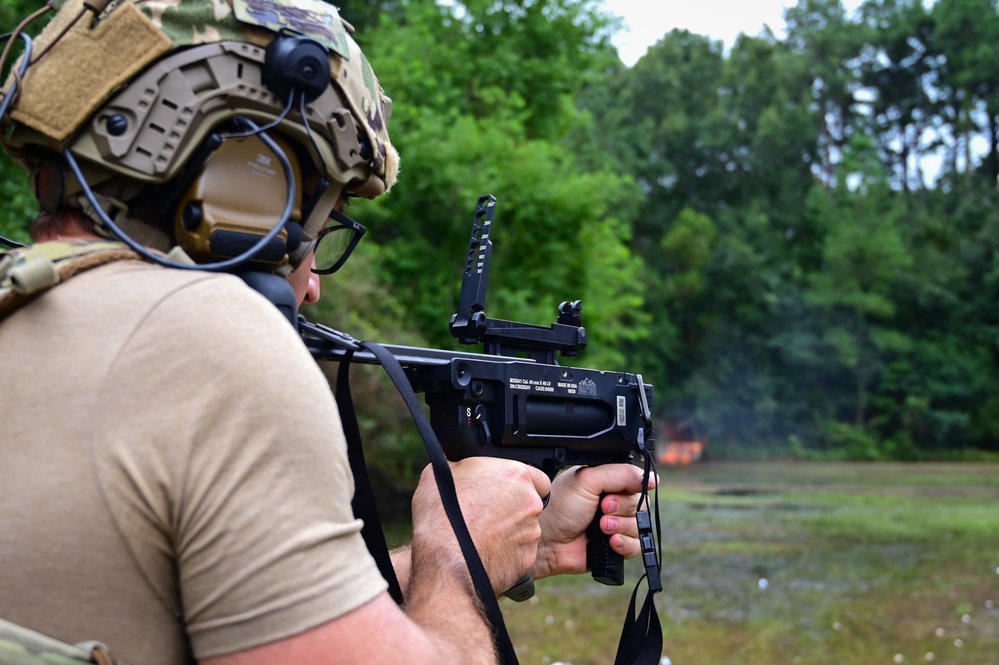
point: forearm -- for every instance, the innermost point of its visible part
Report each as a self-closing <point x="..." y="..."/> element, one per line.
<point x="501" y="503"/>
<point x="402" y="563"/>
<point x="442" y="601"/>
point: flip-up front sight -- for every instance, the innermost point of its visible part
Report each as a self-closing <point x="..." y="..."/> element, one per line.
<point x="470" y="325"/>
<point x="515" y="401"/>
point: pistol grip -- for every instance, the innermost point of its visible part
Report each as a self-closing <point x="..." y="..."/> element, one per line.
<point x="606" y="566"/>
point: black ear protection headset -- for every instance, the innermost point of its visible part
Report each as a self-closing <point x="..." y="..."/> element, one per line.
<point x="226" y="202"/>
<point x="295" y="68"/>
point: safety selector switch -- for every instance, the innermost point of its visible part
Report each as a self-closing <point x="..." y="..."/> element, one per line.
<point x="482" y="419"/>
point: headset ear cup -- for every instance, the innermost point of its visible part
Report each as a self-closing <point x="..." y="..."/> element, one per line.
<point x="296" y="63"/>
<point x="219" y="217"/>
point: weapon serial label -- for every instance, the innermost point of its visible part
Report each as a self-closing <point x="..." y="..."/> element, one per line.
<point x="622" y="412"/>
<point x="532" y="384"/>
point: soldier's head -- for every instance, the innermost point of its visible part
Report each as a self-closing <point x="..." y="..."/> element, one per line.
<point x="229" y="128"/>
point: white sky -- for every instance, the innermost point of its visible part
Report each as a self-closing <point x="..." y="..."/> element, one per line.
<point x="648" y="20"/>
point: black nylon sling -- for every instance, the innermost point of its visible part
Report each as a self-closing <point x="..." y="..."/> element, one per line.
<point x="374" y="537"/>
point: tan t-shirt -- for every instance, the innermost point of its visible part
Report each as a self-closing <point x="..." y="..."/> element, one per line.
<point x="173" y="475"/>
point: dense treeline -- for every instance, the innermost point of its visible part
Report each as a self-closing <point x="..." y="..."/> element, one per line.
<point x="794" y="240"/>
<point x="819" y="220"/>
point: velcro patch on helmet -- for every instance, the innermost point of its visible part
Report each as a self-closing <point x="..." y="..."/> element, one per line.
<point x="311" y="18"/>
<point x="84" y="66"/>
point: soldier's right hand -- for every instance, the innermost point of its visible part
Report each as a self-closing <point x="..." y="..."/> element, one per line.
<point x="501" y="501"/>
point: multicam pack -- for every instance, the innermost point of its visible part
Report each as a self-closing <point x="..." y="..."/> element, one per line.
<point x="21" y="646"/>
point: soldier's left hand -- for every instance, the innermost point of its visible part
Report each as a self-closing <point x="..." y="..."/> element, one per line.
<point x="573" y="504"/>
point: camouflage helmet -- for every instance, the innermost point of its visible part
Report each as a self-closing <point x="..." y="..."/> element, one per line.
<point x="133" y="88"/>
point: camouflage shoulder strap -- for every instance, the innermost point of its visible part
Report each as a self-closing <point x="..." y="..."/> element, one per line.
<point x="21" y="646"/>
<point x="27" y="273"/>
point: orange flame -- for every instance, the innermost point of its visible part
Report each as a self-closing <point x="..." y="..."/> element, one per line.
<point x="681" y="452"/>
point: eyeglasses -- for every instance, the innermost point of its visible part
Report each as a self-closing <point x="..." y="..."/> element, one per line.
<point x="336" y="242"/>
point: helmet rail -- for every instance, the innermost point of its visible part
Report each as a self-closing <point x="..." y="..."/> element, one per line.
<point x="214" y="266"/>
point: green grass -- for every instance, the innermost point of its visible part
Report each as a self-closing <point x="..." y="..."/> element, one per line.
<point x="865" y="564"/>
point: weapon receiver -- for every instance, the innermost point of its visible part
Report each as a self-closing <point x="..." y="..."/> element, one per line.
<point x="515" y="401"/>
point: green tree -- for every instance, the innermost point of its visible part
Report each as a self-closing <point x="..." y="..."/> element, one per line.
<point x="864" y="259"/>
<point x="895" y="65"/>
<point x="483" y="104"/>
<point x="17" y="203"/>
<point x="675" y="125"/>
<point x="965" y="34"/>
<point x="822" y="34"/>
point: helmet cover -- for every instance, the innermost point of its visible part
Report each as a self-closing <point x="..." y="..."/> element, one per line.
<point x="135" y="90"/>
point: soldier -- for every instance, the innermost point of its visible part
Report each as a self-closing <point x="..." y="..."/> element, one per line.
<point x="166" y="487"/>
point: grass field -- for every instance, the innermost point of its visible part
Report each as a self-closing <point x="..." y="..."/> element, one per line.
<point x="773" y="563"/>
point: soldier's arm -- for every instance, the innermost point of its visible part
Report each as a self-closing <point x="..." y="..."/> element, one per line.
<point x="442" y="621"/>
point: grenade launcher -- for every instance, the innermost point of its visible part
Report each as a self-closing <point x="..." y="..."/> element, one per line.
<point x="515" y="401"/>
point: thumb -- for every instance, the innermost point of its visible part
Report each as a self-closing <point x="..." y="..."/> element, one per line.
<point x="613" y="479"/>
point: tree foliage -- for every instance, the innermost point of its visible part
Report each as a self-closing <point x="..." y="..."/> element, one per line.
<point x="15" y="196"/>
